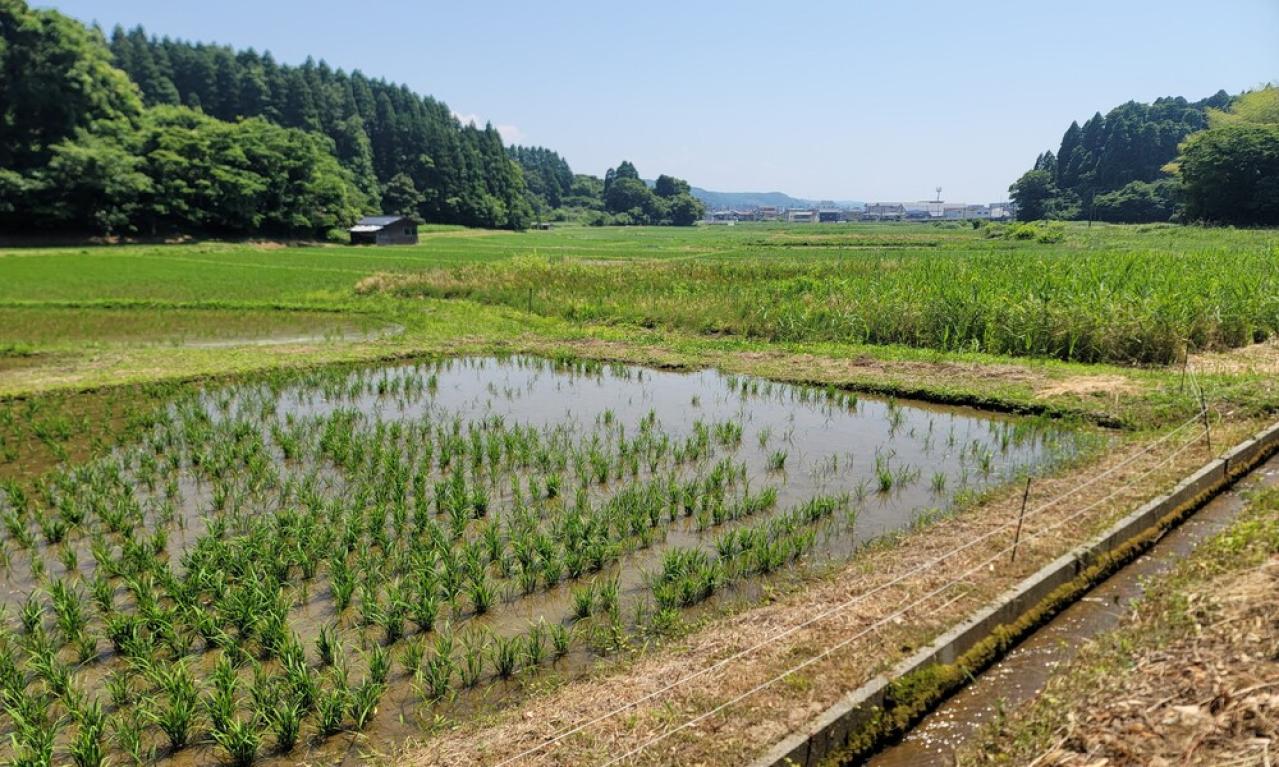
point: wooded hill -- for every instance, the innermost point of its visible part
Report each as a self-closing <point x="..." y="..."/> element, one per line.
<point x="400" y="148"/>
<point x="1212" y="161"/>
<point x="149" y="135"/>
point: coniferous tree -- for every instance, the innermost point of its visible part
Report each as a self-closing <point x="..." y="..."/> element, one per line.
<point x="1109" y="153"/>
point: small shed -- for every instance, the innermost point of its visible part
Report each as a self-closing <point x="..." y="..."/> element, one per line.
<point x="384" y="230"/>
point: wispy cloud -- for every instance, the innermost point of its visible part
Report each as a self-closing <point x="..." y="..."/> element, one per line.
<point x="511" y="134"/>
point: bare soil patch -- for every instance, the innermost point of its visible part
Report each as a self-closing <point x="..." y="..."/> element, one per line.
<point x="1083" y="386"/>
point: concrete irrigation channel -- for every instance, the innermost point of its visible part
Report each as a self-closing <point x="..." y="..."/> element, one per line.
<point x="885" y="708"/>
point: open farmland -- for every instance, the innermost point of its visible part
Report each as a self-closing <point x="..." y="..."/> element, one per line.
<point x="267" y="504"/>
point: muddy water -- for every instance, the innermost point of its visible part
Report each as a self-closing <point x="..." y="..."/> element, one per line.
<point x="1018" y="678"/>
<point x="830" y="447"/>
<point x="834" y="443"/>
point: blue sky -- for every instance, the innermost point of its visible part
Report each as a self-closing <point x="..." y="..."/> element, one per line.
<point x="835" y="100"/>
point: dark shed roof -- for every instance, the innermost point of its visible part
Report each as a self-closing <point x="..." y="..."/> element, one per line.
<point x="371" y="223"/>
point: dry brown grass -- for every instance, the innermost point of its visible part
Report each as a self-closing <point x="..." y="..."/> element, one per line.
<point x="1257" y="359"/>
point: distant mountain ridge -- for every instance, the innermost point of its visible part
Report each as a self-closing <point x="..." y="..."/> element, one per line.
<point x="748" y="200"/>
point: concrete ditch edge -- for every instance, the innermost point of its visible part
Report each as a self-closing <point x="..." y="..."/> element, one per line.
<point x="862" y="709"/>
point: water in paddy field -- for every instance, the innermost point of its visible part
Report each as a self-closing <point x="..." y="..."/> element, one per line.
<point x="541" y="479"/>
<point x="834" y="442"/>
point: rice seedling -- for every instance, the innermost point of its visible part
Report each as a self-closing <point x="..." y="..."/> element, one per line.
<point x="176" y="717"/>
<point x="583" y="601"/>
<point x="364" y="701"/>
<point x="31" y="614"/>
<point x="327" y="644"/>
<point x="482" y="594"/>
<point x="434" y="680"/>
<point x="128" y="737"/>
<point x="331" y="705"/>
<point x="471" y="666"/>
<point x="535" y="643"/>
<point x="505" y="654"/>
<point x="87" y="748"/>
<point x="285" y="721"/>
<point x="33" y="738"/>
<point x="884" y="474"/>
<point x="561" y="639"/>
<point x="239" y="740"/>
<point x="411" y="655"/>
<point x="220" y="703"/>
<point x="609" y="593"/>
<point x="379" y="662"/>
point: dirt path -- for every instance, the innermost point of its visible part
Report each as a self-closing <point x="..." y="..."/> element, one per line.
<point x="881" y="580"/>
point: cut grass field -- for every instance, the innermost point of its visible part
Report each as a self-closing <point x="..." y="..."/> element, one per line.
<point x="97" y="343"/>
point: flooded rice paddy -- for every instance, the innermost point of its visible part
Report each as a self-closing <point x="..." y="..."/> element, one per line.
<point x="320" y="567"/>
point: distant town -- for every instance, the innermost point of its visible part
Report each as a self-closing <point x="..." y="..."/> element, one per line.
<point x="929" y="210"/>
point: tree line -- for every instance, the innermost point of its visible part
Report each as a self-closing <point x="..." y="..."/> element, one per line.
<point x="152" y="135"/>
<point x="620" y="198"/>
<point x="1204" y="161"/>
<point x="407" y="152"/>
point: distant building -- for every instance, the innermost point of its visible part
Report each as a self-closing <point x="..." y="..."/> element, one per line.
<point x="384" y="230"/>
<point x="918" y="211"/>
<point x="767" y="213"/>
<point x="1002" y="211"/>
<point x="884" y="211"/>
<point x="935" y="210"/>
<point x="801" y="216"/>
<point x="831" y="215"/>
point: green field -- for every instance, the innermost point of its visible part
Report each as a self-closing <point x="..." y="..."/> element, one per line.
<point x="98" y="315"/>
<point x="1102" y="294"/>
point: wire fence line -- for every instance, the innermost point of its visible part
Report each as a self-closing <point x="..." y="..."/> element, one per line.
<point x="874" y="627"/>
<point x="568" y="732"/>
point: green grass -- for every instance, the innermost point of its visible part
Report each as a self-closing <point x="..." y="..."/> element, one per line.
<point x="1092" y="298"/>
<point x="49" y="327"/>
<point x="1104" y="294"/>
